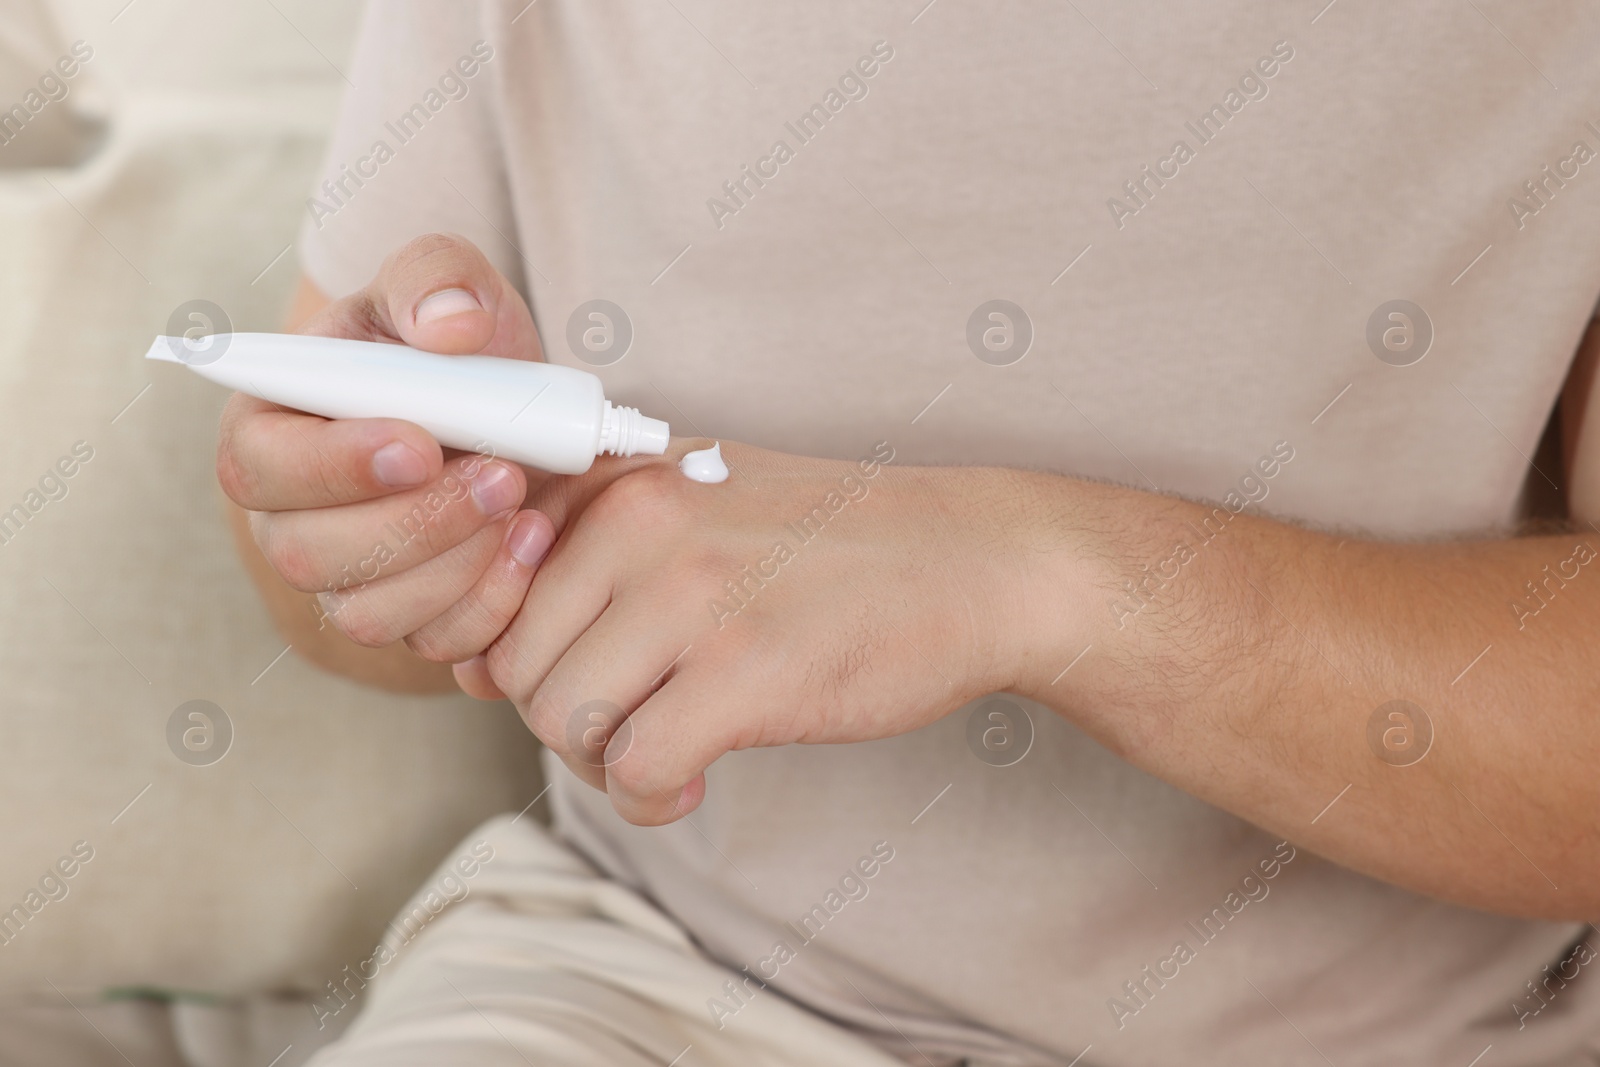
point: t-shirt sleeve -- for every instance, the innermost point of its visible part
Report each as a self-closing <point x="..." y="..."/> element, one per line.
<point x="415" y="148"/>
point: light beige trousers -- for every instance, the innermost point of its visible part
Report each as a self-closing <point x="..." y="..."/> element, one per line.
<point x="534" y="958"/>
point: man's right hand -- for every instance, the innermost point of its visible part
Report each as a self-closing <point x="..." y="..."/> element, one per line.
<point x="400" y="539"/>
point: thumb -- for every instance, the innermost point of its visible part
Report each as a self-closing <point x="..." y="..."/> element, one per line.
<point x="437" y="293"/>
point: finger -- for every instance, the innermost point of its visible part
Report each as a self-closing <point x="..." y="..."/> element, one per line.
<point x="335" y="548"/>
<point x="573" y="587"/>
<point x="389" y="608"/>
<point x="545" y="626"/>
<point x="583" y="703"/>
<point x="521" y="658"/>
<point x="473" y="678"/>
<point x="471" y="623"/>
<point x="451" y="607"/>
<point x="440" y="294"/>
<point x="675" y="736"/>
<point x="584" y="773"/>
<point x="273" y="459"/>
<point x="437" y="293"/>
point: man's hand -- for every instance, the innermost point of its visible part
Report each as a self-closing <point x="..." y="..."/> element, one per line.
<point x="802" y="600"/>
<point x="674" y="622"/>
<point x="399" y="539"/>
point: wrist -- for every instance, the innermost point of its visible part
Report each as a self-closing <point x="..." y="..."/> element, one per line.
<point x="1059" y="572"/>
<point x="1136" y="611"/>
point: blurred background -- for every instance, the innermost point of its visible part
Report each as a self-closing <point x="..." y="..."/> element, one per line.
<point x="250" y="823"/>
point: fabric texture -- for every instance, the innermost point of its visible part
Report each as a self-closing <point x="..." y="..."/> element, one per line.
<point x="536" y="957"/>
<point x="802" y="212"/>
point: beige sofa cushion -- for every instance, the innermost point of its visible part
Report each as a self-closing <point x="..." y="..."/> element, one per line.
<point x="279" y="864"/>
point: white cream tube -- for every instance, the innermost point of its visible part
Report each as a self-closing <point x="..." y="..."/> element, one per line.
<point x="539" y="414"/>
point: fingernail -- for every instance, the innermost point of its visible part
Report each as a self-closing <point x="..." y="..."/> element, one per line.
<point x="398" y="465"/>
<point x="494" y="489"/>
<point x="529" y="540"/>
<point x="443" y="304"/>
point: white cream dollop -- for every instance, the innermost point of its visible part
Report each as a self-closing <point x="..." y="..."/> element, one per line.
<point x="705" y="465"/>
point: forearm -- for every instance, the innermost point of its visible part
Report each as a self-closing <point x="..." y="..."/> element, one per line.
<point x="1247" y="666"/>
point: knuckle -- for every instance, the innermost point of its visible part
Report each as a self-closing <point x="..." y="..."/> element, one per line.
<point x="331" y="484"/>
<point x="363" y="627"/>
<point x="238" y="482"/>
<point x="637" y="776"/>
<point x="545" y="717"/>
<point x="504" y="666"/>
<point x="289" y="557"/>
<point x="429" y="645"/>
<point x="432" y="244"/>
<point x="360" y="314"/>
<point x="431" y="253"/>
<point x="429" y="532"/>
<point x="648" y="496"/>
<point x="444" y="642"/>
<point x="239" y="437"/>
<point x="457" y="524"/>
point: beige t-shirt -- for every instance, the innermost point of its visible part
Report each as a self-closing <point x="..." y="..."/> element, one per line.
<point x="1200" y="217"/>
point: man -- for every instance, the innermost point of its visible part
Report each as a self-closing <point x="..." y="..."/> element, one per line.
<point x="1313" y="787"/>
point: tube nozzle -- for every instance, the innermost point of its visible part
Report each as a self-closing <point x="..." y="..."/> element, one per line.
<point x="625" y="432"/>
